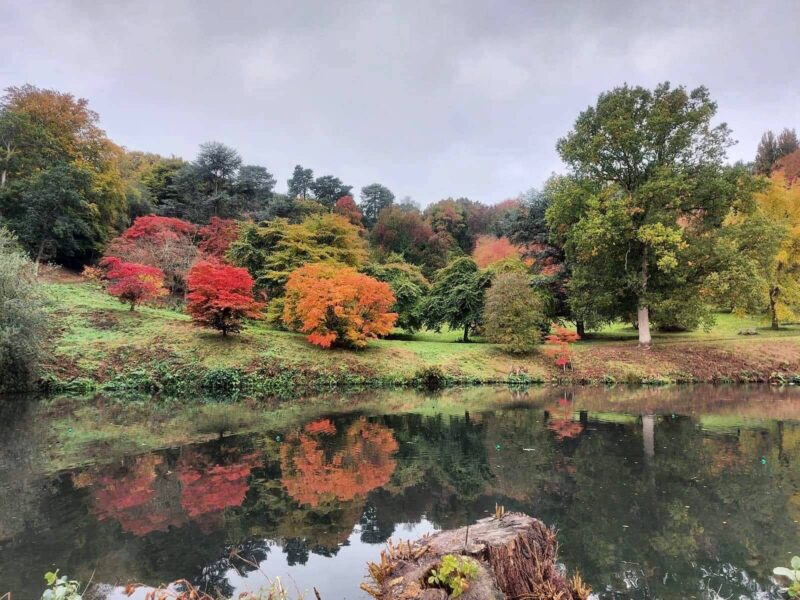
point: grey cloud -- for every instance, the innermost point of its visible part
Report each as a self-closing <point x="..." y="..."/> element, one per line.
<point x="430" y="98"/>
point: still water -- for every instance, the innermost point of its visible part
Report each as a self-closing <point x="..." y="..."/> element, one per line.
<point x="676" y="493"/>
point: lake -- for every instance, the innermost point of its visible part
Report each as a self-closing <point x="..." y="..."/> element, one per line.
<point x="681" y="492"/>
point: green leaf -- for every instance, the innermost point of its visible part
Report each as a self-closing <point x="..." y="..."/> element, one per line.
<point x="51" y="577"/>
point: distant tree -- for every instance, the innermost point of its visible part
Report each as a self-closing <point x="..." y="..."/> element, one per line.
<point x="254" y="186"/>
<point x="23" y="321"/>
<point x="133" y="283"/>
<point x="347" y="208"/>
<point x="514" y="313"/>
<point x="788" y="167"/>
<point x="457" y="297"/>
<point x="216" y="166"/>
<point x="162" y="242"/>
<point x="220" y="296"/>
<point x="160" y="182"/>
<point x="490" y="249"/>
<point x="335" y="305"/>
<point x="406" y="233"/>
<point x="374" y="198"/>
<point x="300" y="182"/>
<point x="217" y="237"/>
<point x="448" y="218"/>
<point x="657" y="164"/>
<point x="409" y="287"/>
<point x="771" y="149"/>
<point x="272" y="250"/>
<point x="328" y="189"/>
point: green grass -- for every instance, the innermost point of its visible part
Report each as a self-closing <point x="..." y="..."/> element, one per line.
<point x="97" y="337"/>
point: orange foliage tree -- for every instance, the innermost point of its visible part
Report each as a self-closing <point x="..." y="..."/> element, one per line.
<point x="313" y="476"/>
<point x="133" y="283"/>
<point x="490" y="249"/>
<point x="557" y="345"/>
<point x="332" y="304"/>
<point x="220" y="296"/>
<point x="217" y="237"/>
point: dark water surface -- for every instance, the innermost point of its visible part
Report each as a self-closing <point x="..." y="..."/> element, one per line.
<point x="676" y="493"/>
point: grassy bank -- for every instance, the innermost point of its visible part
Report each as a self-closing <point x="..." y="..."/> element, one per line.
<point x="98" y="342"/>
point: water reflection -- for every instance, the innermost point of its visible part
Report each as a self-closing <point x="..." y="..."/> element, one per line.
<point x="656" y="493"/>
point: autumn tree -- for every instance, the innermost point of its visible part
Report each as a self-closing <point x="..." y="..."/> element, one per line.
<point x="217" y="237"/>
<point x="374" y="198"/>
<point x="557" y="345"/>
<point x="772" y="148"/>
<point x="409" y="286"/>
<point x="759" y="256"/>
<point x="166" y="243"/>
<point x="347" y="208"/>
<point x="513" y="316"/>
<point x="660" y="189"/>
<point x="300" y="182"/>
<point x="133" y="283"/>
<point x="457" y="296"/>
<point x="335" y="305"/>
<point x="490" y="249"/>
<point x="271" y="251"/>
<point x="405" y="232"/>
<point x="219" y="296"/>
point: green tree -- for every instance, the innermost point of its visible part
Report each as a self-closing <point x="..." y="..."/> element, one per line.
<point x="514" y="313"/>
<point x="22" y="316"/>
<point x="61" y="215"/>
<point x="655" y="162"/>
<point x="374" y="198"/>
<point x="270" y="251"/>
<point x="457" y="296"/>
<point x="409" y="287"/>
<point x="300" y="182"/>
<point x="772" y="148"/>
<point x="328" y="189"/>
<point x="254" y="186"/>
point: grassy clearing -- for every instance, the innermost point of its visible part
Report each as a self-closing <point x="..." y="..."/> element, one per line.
<point x="97" y="338"/>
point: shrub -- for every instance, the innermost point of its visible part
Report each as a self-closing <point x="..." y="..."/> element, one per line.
<point x="133" y="283"/>
<point x="220" y="296"/>
<point x="514" y="314"/>
<point x="22" y="316"/>
<point x="558" y="345"/>
<point x="332" y="304"/>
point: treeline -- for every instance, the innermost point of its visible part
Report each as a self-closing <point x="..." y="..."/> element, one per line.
<point x="648" y="224"/>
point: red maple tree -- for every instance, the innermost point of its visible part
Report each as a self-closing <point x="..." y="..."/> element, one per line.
<point x="217" y="237"/>
<point x="133" y="283"/>
<point x="332" y="304"/>
<point x="163" y="242"/>
<point x="490" y="249"/>
<point x="347" y="207"/>
<point x="557" y="345"/>
<point x="220" y="296"/>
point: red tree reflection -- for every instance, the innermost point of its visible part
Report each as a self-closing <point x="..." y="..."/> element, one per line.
<point x="362" y="463"/>
<point x="561" y="423"/>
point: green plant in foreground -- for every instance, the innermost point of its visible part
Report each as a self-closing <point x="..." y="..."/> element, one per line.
<point x="793" y="575"/>
<point x="60" y="588"/>
<point x="454" y="574"/>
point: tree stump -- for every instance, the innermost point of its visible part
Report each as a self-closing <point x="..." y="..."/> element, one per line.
<point x="515" y="554"/>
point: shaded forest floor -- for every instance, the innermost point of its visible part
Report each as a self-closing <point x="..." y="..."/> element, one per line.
<point x="97" y="340"/>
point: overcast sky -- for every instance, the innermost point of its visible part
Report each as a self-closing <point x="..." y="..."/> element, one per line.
<point x="432" y="99"/>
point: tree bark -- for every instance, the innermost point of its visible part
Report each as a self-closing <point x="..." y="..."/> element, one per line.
<point x="580" y="326"/>
<point x="773" y="310"/>
<point x="643" y="313"/>
<point x="466" y="333"/>
<point x="3" y="176"/>
<point x="39" y="256"/>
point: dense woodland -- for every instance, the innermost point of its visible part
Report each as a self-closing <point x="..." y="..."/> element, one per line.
<point x="648" y="224"/>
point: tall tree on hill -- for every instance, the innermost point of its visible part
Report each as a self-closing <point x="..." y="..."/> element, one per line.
<point x="300" y="182"/>
<point x="771" y="149"/>
<point x="328" y="189"/>
<point x="374" y="198"/>
<point x="658" y="188"/>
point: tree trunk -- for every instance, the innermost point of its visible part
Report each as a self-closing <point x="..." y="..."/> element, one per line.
<point x="580" y="326"/>
<point x="773" y="310"/>
<point x="466" y="333"/>
<point x="643" y="315"/>
<point x="39" y="256"/>
<point x="133" y="306"/>
<point x="3" y="176"/>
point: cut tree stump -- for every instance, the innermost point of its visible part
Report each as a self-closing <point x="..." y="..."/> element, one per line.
<point x="516" y="557"/>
